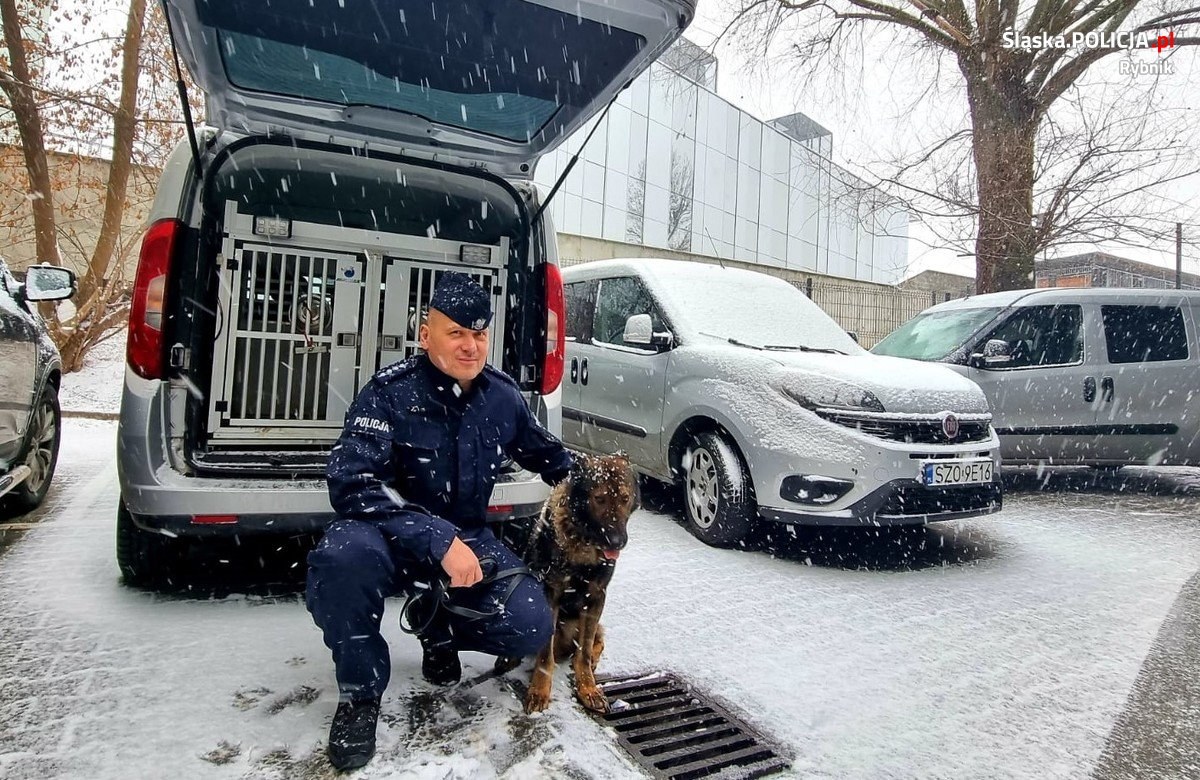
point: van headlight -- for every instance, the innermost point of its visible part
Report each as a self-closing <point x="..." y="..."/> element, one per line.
<point x="835" y="397"/>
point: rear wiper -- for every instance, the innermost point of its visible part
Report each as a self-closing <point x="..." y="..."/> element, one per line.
<point x="372" y="116"/>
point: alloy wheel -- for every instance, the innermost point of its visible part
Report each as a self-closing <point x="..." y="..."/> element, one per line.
<point x="702" y="494"/>
<point x="41" y="452"/>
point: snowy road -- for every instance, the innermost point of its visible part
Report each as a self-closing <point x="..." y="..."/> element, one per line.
<point x="1006" y="646"/>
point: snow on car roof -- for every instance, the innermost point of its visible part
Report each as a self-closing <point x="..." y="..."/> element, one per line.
<point x="727" y="303"/>
<point x="1051" y="295"/>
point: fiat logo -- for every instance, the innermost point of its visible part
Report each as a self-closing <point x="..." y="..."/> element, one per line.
<point x="950" y="425"/>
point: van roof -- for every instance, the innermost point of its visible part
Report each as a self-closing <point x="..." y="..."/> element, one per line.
<point x="660" y="268"/>
<point x="1047" y="295"/>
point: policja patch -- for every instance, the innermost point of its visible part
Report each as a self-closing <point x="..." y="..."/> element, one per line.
<point x="460" y="298"/>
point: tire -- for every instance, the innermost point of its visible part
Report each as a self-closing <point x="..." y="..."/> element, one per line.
<point x="41" y="452"/>
<point x="145" y="559"/>
<point x="718" y="497"/>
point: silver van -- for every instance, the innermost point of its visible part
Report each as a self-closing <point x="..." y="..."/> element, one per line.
<point x="358" y="150"/>
<point x="1091" y="376"/>
<point x="735" y="386"/>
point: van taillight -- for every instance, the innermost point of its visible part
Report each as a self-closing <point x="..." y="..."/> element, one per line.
<point x="556" y="335"/>
<point x="145" y="351"/>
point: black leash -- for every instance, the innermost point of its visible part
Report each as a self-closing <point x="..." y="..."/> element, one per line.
<point x="440" y="596"/>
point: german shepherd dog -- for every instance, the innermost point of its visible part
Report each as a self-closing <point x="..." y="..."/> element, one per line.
<point x="574" y="547"/>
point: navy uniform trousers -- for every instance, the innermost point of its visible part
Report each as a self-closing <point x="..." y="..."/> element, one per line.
<point x="359" y="564"/>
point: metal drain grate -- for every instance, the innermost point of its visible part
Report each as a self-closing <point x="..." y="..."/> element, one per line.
<point x="677" y="733"/>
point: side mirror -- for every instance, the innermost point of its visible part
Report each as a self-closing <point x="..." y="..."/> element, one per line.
<point x="997" y="353"/>
<point x="639" y="330"/>
<point x="854" y="336"/>
<point x="48" y="283"/>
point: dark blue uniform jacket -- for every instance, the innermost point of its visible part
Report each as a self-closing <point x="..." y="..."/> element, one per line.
<point x="416" y="447"/>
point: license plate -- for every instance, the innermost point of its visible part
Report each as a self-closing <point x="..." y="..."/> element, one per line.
<point x="956" y="472"/>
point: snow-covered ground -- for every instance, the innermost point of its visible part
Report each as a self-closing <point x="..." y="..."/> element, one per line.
<point x="998" y="647"/>
<point x="96" y="389"/>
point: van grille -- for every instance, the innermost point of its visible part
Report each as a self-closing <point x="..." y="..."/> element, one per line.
<point x="914" y="430"/>
<point x="915" y="500"/>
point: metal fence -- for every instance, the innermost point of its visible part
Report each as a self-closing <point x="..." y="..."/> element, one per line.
<point x="869" y="311"/>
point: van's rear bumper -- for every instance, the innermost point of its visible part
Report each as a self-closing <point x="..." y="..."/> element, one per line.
<point x="902" y="502"/>
<point x="178" y="505"/>
<point x="161" y="498"/>
<point x="293" y="524"/>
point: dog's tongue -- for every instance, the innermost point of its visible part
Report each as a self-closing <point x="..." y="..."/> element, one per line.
<point x="611" y="554"/>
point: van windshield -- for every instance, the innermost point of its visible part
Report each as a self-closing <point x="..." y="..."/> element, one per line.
<point x="934" y="335"/>
<point x="501" y="67"/>
<point x="756" y="311"/>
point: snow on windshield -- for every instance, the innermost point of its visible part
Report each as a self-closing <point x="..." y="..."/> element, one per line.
<point x="934" y="335"/>
<point x="751" y="308"/>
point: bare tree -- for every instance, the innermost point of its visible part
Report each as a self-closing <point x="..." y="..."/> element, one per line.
<point x="1031" y="166"/>
<point x="106" y="95"/>
<point x="635" y="219"/>
<point x="679" y="214"/>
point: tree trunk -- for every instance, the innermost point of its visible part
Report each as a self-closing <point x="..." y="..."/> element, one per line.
<point x="1004" y="129"/>
<point x="18" y="86"/>
<point x="124" y="124"/>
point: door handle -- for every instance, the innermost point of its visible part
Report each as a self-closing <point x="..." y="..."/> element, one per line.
<point x="574" y="370"/>
<point x="583" y="372"/>
<point x="1089" y="389"/>
<point x="1106" y="389"/>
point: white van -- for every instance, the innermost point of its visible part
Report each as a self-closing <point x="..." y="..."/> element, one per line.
<point x="734" y="386"/>
<point x="1098" y="377"/>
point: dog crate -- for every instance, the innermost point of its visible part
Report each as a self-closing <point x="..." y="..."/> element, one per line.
<point x="308" y="312"/>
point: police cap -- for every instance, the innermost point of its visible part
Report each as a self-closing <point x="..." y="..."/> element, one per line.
<point x="460" y="298"/>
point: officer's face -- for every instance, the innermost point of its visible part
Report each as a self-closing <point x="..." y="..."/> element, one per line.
<point x="457" y="351"/>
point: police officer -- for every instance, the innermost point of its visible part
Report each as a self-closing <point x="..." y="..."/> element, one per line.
<point x="410" y="478"/>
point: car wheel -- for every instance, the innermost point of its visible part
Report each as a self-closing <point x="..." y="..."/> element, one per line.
<point x="41" y="452"/>
<point x="145" y="558"/>
<point x="718" y="499"/>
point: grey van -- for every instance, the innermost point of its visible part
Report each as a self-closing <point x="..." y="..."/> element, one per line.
<point x="736" y="387"/>
<point x="1091" y="376"/>
<point x="358" y="149"/>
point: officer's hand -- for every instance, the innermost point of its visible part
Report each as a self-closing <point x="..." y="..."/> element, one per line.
<point x="462" y="565"/>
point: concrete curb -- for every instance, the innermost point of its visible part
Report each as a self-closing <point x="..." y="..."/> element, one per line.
<point x="91" y="415"/>
<point x="1157" y="733"/>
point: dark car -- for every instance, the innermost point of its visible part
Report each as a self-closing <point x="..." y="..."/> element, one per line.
<point x="29" y="382"/>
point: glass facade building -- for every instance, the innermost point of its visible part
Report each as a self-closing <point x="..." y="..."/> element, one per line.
<point x="674" y="166"/>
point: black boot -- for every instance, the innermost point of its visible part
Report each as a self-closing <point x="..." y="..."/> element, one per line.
<point x="352" y="735"/>
<point x="439" y="663"/>
<point x="506" y="663"/>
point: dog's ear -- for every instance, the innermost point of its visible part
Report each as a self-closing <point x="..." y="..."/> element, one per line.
<point x="637" y="491"/>
<point x="579" y="466"/>
<point x="577" y="489"/>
